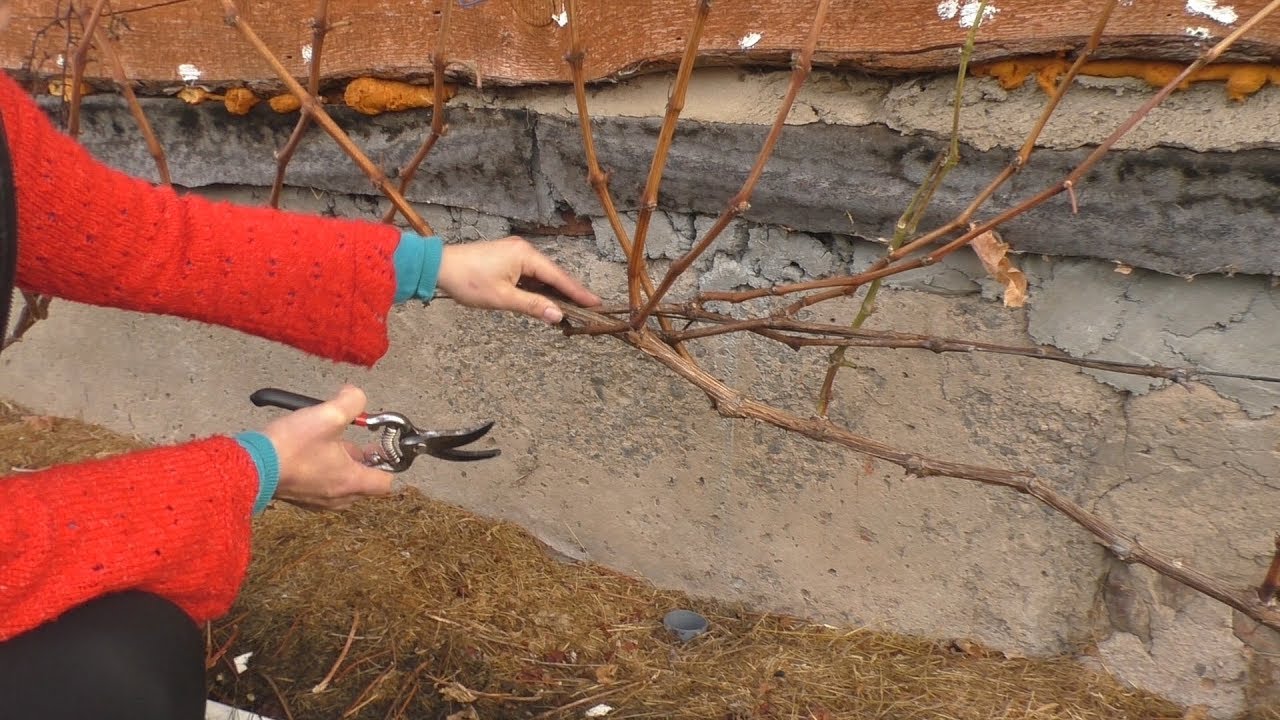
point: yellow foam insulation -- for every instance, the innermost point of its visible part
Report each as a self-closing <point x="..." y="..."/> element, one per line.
<point x="1242" y="79"/>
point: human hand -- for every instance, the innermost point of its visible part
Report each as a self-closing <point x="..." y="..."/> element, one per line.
<point x="319" y="470"/>
<point x="486" y="274"/>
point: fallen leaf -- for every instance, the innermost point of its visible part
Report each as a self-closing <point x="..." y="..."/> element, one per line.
<point x="1124" y="269"/>
<point x="607" y="674"/>
<point x="468" y="714"/>
<point x="457" y="692"/>
<point x="994" y="254"/>
<point x="969" y="648"/>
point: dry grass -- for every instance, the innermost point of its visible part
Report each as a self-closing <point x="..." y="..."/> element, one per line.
<point x="452" y="615"/>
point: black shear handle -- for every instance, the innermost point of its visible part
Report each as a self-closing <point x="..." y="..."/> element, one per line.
<point x="276" y="397"/>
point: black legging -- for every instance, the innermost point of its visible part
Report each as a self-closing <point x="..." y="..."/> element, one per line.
<point x="128" y="655"/>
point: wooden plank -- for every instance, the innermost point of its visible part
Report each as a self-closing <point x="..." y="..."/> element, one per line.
<point x="518" y="42"/>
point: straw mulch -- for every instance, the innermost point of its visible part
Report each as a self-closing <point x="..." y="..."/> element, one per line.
<point x="410" y="608"/>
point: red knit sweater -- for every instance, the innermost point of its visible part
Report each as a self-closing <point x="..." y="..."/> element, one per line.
<point x="174" y="521"/>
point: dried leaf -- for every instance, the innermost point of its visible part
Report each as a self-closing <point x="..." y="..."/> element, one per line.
<point x="1197" y="712"/>
<point x="469" y="713"/>
<point x="969" y="648"/>
<point x="607" y="674"/>
<point x="457" y="692"/>
<point x="994" y="254"/>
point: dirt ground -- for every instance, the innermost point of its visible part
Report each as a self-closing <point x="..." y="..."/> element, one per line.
<point x="411" y="608"/>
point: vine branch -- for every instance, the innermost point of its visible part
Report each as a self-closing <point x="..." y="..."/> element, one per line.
<point x="675" y="105"/>
<point x="596" y="177"/>
<point x="730" y="403"/>
<point x="319" y="28"/>
<point x="438" y="126"/>
<point x="910" y="217"/>
<point x="741" y="202"/>
<point x="313" y="108"/>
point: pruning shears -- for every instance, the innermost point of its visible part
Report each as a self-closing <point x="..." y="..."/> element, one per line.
<point x="400" y="442"/>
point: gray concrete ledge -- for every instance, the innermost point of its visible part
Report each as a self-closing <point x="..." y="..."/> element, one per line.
<point x="1172" y="210"/>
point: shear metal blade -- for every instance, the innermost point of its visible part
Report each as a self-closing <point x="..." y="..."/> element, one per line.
<point x="444" y="443"/>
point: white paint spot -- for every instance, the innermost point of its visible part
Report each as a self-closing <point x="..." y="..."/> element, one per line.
<point x="1198" y="32"/>
<point x="306" y="53"/>
<point x="749" y="40"/>
<point x="969" y="13"/>
<point x="242" y="662"/>
<point x="562" y="18"/>
<point x="599" y="711"/>
<point x="188" y="72"/>
<point x="1209" y="8"/>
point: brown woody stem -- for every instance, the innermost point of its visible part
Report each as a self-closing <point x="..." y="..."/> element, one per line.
<point x="319" y="28"/>
<point x="135" y="108"/>
<point x="1271" y="583"/>
<point x="438" y="127"/>
<point x="910" y="218"/>
<point x="675" y="105"/>
<point x="797" y="334"/>
<point x="1028" y="145"/>
<point x="1067" y="184"/>
<point x="311" y="106"/>
<point x="78" y="61"/>
<point x="732" y="404"/>
<point x="595" y="176"/>
<point x="740" y="202"/>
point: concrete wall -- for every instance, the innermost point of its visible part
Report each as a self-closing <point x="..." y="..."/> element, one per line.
<point x="609" y="457"/>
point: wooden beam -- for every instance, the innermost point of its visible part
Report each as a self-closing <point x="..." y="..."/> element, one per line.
<point x="509" y="42"/>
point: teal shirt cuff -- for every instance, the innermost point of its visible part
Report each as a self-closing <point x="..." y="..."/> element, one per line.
<point x="417" y="265"/>
<point x="268" y="464"/>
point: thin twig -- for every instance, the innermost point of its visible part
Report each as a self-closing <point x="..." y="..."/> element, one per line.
<point x="324" y="684"/>
<point x="368" y="695"/>
<point x="78" y="61"/>
<point x="1029" y="144"/>
<point x="915" y="210"/>
<point x="135" y="108"/>
<point x="319" y="28"/>
<point x="596" y="177"/>
<point x="322" y="118"/>
<point x="438" y="127"/>
<point x="284" y="704"/>
<point x="797" y="334"/>
<point x="559" y="711"/>
<point x="675" y="105"/>
<point x="741" y="201"/>
<point x="1068" y="183"/>
<point x="732" y="404"/>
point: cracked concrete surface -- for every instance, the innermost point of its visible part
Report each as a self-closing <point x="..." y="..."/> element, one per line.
<point x="609" y="457"/>
<point x="1212" y="322"/>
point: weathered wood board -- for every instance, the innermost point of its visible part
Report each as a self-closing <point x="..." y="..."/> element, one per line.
<point x="518" y="42"/>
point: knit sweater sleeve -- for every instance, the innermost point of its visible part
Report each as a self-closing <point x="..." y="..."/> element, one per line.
<point x="94" y="235"/>
<point x="174" y="521"/>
